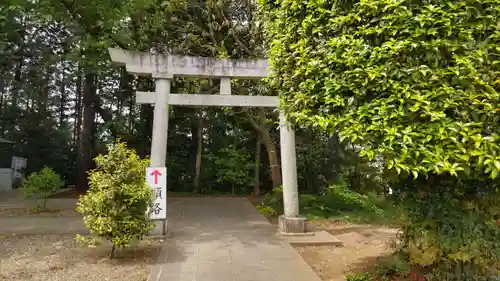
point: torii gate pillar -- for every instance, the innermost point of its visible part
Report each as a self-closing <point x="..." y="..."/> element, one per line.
<point x="164" y="67"/>
<point x="160" y="123"/>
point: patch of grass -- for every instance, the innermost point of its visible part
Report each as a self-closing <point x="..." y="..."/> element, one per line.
<point x="343" y="204"/>
<point x="358" y="277"/>
<point x="339" y="204"/>
<point x="394" y="265"/>
<point x="386" y="217"/>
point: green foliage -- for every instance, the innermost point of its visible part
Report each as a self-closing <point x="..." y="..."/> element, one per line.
<point x="394" y="265"/>
<point x="116" y="206"/>
<point x="452" y="226"/>
<point x="233" y="166"/>
<point x="342" y="203"/>
<point x="274" y="199"/>
<point x="358" y="277"/>
<point x="266" y="211"/>
<point x="310" y="156"/>
<point x="40" y="185"/>
<point x="338" y="203"/>
<point x="89" y="242"/>
<point x="417" y="82"/>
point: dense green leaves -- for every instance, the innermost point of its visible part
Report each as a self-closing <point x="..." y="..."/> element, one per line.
<point x="116" y="206"/>
<point x="452" y="224"/>
<point x="415" y="81"/>
<point x="233" y="166"/>
<point x="42" y="184"/>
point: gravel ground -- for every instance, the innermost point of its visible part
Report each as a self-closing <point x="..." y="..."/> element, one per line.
<point x="24" y="212"/>
<point x="362" y="246"/>
<point x="59" y="258"/>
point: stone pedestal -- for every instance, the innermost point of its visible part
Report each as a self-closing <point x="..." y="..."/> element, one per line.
<point x="292" y="225"/>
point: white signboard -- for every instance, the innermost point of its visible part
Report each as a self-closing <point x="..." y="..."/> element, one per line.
<point x="157" y="180"/>
<point x="18" y="165"/>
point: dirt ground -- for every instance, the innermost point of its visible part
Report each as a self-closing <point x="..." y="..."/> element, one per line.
<point x="59" y="258"/>
<point x="362" y="245"/>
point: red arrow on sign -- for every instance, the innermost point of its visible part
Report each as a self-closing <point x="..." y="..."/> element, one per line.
<point x="156" y="174"/>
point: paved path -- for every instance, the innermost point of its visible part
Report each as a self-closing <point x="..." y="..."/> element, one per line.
<point x="222" y="239"/>
<point x="41" y="225"/>
<point x="14" y="199"/>
<point x="32" y="225"/>
<point x="214" y="239"/>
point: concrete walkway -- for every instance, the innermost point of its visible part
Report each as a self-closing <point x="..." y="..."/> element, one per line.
<point x="42" y="225"/>
<point x="213" y="239"/>
<point x="14" y="199"/>
<point x="222" y="239"/>
<point x="33" y="225"/>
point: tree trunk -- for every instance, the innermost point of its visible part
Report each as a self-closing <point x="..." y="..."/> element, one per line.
<point x="2" y="91"/>
<point x="146" y="128"/>
<point x="356" y="178"/>
<point x="78" y="107"/>
<point x="335" y="159"/>
<point x="356" y="175"/>
<point x="17" y="82"/>
<point x="16" y="89"/>
<point x="273" y="158"/>
<point x="113" y="249"/>
<point x="256" y="173"/>
<point x="44" y="96"/>
<point x="85" y="147"/>
<point x="199" y="151"/>
<point x="263" y="130"/>
<point x="146" y="112"/>
<point x="62" y="101"/>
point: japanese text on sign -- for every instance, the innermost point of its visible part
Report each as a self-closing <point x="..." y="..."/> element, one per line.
<point x="157" y="181"/>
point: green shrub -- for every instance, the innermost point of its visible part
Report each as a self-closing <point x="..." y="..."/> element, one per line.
<point x="341" y="202"/>
<point x="338" y="201"/>
<point x="274" y="199"/>
<point x="394" y="265"/>
<point x="117" y="203"/>
<point x="272" y="205"/>
<point x="41" y="185"/>
<point x="267" y="211"/>
<point x="358" y="277"/>
<point x="234" y="167"/>
<point x="452" y="227"/>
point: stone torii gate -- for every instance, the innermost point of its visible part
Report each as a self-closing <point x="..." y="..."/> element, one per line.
<point x="163" y="68"/>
